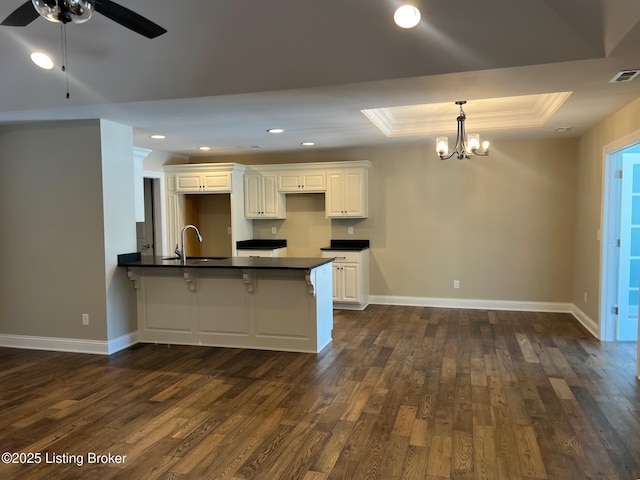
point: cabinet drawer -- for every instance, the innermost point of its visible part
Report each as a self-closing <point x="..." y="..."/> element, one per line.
<point x="276" y="252"/>
<point x="342" y="256"/>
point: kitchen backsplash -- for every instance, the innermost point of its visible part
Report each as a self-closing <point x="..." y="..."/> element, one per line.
<point x="306" y="228"/>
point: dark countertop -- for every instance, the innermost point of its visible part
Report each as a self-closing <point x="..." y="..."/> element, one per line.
<point x="136" y="260"/>
<point x="355" y="245"/>
<point x="261" y="244"/>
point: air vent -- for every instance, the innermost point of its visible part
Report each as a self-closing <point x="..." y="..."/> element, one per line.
<point x="625" y="76"/>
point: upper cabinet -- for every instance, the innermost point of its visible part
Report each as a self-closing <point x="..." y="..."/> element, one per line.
<point x="302" y="181"/>
<point x="203" y="182"/>
<point x="261" y="196"/>
<point x="344" y="185"/>
<point x="347" y="193"/>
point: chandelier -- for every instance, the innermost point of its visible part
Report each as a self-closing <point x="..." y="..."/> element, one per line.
<point x="465" y="147"/>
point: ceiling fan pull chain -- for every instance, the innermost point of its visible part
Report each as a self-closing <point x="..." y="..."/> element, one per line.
<point x="63" y="41"/>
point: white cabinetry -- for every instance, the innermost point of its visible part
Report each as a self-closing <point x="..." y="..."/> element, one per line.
<point x="350" y="271"/>
<point x="214" y="178"/>
<point x="261" y="197"/>
<point x="302" y="181"/>
<point x="213" y="182"/>
<point x="346" y="195"/>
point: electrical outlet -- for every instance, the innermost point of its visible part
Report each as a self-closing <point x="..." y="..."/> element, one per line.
<point x="350" y="231"/>
<point x="85" y="319"/>
<point x="228" y="230"/>
<point x="585" y="297"/>
<point x="273" y="230"/>
<point x="456" y="284"/>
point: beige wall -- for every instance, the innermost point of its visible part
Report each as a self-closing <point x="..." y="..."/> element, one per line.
<point x="212" y="215"/>
<point x="306" y="227"/>
<point x="59" y="234"/>
<point x="502" y="225"/>
<point x="589" y="204"/>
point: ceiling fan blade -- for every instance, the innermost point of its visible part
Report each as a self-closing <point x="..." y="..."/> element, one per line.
<point x="128" y="18"/>
<point x="21" y="16"/>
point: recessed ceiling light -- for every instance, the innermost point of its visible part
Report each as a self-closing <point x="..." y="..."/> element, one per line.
<point x="275" y="130"/>
<point x="42" y="60"/>
<point x="158" y="137"/>
<point x="307" y="144"/>
<point x="204" y="149"/>
<point x="407" y="16"/>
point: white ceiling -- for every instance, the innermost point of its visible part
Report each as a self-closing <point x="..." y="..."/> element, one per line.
<point x="227" y="70"/>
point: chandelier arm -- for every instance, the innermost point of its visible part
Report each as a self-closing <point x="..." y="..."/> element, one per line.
<point x="442" y="157"/>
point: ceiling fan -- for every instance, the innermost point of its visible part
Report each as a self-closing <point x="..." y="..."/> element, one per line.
<point x="79" y="11"/>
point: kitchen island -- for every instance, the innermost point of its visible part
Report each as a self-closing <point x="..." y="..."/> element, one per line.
<point x="262" y="303"/>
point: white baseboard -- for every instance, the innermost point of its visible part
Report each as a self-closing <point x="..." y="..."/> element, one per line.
<point x="72" y="345"/>
<point x="472" y="303"/>
<point x="480" y="304"/>
<point x="586" y="321"/>
<point x="122" y="342"/>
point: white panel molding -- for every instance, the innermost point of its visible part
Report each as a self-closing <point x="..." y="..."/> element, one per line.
<point x="71" y="345"/>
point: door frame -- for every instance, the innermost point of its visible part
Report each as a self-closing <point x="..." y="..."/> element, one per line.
<point x="610" y="221"/>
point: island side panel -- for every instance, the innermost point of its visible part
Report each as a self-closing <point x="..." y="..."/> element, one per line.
<point x="222" y="309"/>
<point x="322" y="279"/>
<point x="282" y="311"/>
<point x="165" y="308"/>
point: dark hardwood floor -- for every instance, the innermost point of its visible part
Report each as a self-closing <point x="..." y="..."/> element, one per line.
<point x="401" y="393"/>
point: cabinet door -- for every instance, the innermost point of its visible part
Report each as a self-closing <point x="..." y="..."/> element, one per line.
<point x="334" y="198"/>
<point x="188" y="182"/>
<point x="270" y="196"/>
<point x="289" y="182"/>
<point x="252" y="196"/>
<point x="350" y="274"/>
<point x="336" y="280"/>
<point x="314" y="181"/>
<point x="354" y="194"/>
<point x="216" y="182"/>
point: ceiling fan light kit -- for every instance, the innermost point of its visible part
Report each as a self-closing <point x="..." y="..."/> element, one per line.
<point x="76" y="11"/>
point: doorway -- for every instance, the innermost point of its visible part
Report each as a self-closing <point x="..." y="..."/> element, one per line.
<point x="150" y="233"/>
<point x="621" y="243"/>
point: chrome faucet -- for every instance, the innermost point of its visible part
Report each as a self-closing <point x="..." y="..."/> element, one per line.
<point x="182" y="253"/>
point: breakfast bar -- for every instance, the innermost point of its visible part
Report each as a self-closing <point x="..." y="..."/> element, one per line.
<point x="261" y="303"/>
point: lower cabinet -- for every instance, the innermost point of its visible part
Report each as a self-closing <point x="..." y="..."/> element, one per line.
<point x="350" y="271"/>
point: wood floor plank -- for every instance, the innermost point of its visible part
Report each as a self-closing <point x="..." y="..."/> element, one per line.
<point x="400" y="393"/>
